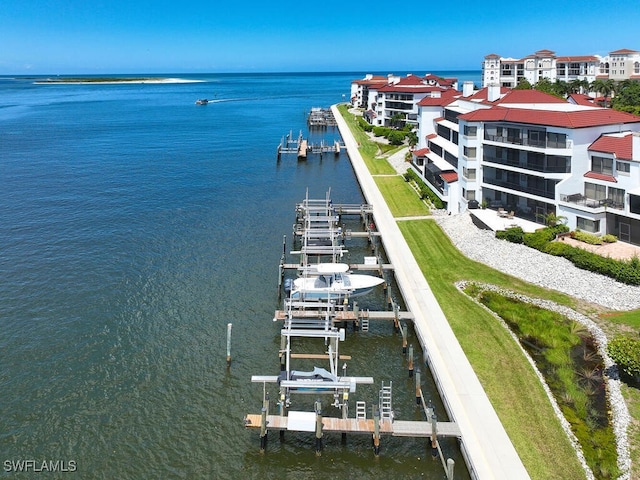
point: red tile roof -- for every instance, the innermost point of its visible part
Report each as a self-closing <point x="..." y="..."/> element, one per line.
<point x="600" y="176"/>
<point x="577" y="119"/>
<point x="528" y="96"/>
<point x="449" y="177"/>
<point x="481" y="94"/>
<point x="421" y="152"/>
<point x="581" y="99"/>
<point x="622" y="147"/>
<point x="445" y="98"/>
<point x="582" y="58"/>
<point x="623" y="51"/>
<point x="372" y="81"/>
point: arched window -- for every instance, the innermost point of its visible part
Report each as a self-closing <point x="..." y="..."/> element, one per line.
<point x="636" y="67"/>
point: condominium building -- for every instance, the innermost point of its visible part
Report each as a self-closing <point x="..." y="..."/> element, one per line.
<point x="536" y="155"/>
<point x="544" y="64"/>
<point x="396" y="101"/>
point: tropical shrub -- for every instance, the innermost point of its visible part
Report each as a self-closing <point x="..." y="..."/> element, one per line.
<point x="396" y="137"/>
<point x="625" y="351"/>
<point x="608" y="238"/>
<point x="511" y="234"/>
<point x="587" y="237"/>
<point x="381" y="131"/>
<point x="366" y="126"/>
<point x="423" y="189"/>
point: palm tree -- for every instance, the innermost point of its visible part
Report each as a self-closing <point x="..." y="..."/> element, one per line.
<point x="604" y="87"/>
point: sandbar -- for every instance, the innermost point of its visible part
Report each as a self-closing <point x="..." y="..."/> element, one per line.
<point x="108" y="80"/>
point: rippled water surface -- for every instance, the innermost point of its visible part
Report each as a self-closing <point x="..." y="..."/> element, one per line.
<point x="134" y="225"/>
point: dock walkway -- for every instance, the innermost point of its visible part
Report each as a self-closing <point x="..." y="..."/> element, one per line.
<point x="397" y="428"/>
<point x="489" y="452"/>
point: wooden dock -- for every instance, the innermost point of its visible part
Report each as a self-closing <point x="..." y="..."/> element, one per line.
<point x="321" y="118"/>
<point x="318" y="229"/>
<point x="397" y="428"/>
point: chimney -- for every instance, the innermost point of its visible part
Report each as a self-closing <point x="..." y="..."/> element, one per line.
<point x="493" y="92"/>
<point x="467" y="89"/>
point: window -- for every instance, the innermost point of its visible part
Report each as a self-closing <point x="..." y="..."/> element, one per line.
<point x="469" y="152"/>
<point x="616" y="197"/>
<point x="556" y="140"/>
<point x="592" y="226"/>
<point x="469" y="173"/>
<point x="444" y="132"/>
<point x="471" y="195"/>
<point x="602" y="165"/>
<point x="536" y="138"/>
<point x="594" y="191"/>
<point x="623" y="168"/>
<point x="470" y="131"/>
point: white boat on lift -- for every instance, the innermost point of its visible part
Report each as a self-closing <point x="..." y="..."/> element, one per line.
<point x="331" y="281"/>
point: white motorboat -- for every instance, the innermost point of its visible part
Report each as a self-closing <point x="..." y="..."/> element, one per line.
<point x="331" y="281"/>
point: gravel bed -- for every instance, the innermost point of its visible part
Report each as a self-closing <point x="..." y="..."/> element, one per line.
<point x="536" y="267"/>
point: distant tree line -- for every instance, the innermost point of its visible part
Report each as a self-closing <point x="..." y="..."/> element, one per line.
<point x="623" y="96"/>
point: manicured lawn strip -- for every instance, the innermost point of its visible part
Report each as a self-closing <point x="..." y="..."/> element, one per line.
<point x="400" y="197"/>
<point x="630" y="318"/>
<point x="368" y="149"/>
<point x="513" y="388"/>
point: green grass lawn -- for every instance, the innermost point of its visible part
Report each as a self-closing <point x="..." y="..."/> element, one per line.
<point x="367" y="147"/>
<point x="510" y="382"/>
<point x="401" y="197"/>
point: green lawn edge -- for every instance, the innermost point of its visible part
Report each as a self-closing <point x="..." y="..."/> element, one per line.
<point x="402" y="201"/>
<point x="507" y="377"/>
<point x="509" y="380"/>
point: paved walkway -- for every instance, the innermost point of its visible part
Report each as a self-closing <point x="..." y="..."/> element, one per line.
<point x="487" y="447"/>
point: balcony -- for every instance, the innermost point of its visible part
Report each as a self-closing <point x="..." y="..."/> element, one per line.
<point x="519" y="187"/>
<point x="579" y="199"/>
<point x="534" y="166"/>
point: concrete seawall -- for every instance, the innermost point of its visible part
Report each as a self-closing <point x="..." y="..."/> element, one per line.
<point x="485" y="444"/>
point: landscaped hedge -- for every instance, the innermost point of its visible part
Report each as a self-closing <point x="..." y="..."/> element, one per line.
<point x="423" y="188"/>
<point x="624" y="271"/>
<point x="366" y="126"/>
<point x="381" y="131"/>
<point x="511" y="234"/>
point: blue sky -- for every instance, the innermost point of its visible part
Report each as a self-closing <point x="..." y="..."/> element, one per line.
<point x="196" y="36"/>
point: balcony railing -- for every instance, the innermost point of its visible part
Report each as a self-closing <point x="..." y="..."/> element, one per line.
<point x="535" y="167"/>
<point x="530" y="142"/>
<point x="579" y="199"/>
<point x="519" y="188"/>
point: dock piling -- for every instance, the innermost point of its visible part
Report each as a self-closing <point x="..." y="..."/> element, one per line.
<point x="434" y="436"/>
<point x="418" y="388"/>
<point x="376" y="431"/>
<point x="450" y="466"/>
<point x="263" y="430"/>
<point x="229" y="344"/>
<point x="318" y="428"/>
<point x="403" y="331"/>
<point x="410" y="361"/>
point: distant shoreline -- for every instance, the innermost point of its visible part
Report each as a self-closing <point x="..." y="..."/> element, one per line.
<point x="110" y="80"/>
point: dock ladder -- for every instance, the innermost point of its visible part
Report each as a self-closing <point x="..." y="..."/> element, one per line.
<point x="361" y="410"/>
<point x="364" y="322"/>
<point x="386" y="413"/>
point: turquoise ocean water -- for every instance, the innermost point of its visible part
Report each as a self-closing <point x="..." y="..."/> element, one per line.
<point x="134" y="225"/>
